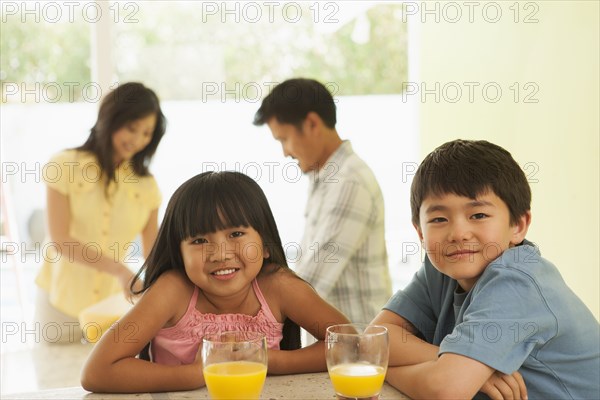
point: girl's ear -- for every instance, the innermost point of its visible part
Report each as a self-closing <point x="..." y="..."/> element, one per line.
<point x="266" y="252"/>
<point x="519" y="230"/>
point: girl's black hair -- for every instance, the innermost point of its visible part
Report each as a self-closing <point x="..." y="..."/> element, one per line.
<point x="205" y="204"/>
<point x="128" y="102"/>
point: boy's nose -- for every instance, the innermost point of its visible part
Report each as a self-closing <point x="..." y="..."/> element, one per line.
<point x="459" y="232"/>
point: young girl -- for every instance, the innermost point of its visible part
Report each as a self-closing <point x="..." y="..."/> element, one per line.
<point x="100" y="197"/>
<point x="217" y="265"/>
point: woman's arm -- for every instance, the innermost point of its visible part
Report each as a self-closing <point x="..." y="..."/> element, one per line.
<point x="299" y="302"/>
<point x="112" y="367"/>
<point x="149" y="233"/>
<point x="59" y="220"/>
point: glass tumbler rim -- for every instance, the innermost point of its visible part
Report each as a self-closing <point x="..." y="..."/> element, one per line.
<point x="382" y="330"/>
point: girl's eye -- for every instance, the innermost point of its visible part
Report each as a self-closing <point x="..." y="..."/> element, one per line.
<point x="479" y="216"/>
<point x="237" y="234"/>
<point x="199" y="241"/>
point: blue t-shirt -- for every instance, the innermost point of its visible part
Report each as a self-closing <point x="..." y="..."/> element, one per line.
<point x="520" y="315"/>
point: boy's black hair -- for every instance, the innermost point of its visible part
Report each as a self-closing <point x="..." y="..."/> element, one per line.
<point x="207" y="203"/>
<point x="292" y="100"/>
<point x="471" y="168"/>
<point x="128" y="102"/>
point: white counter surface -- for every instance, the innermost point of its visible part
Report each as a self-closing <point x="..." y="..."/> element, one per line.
<point x="286" y="387"/>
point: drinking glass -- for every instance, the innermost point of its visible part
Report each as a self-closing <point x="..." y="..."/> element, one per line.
<point x="235" y="364"/>
<point x="357" y="359"/>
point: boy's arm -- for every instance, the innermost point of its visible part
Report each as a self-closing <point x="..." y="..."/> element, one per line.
<point x="454" y="376"/>
<point x="450" y="376"/>
<point x="405" y="347"/>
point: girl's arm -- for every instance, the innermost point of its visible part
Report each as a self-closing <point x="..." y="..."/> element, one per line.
<point x="59" y="220"/>
<point x="299" y="302"/>
<point x="112" y="367"/>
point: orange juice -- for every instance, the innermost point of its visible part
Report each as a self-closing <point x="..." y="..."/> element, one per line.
<point x="235" y="379"/>
<point x="357" y="380"/>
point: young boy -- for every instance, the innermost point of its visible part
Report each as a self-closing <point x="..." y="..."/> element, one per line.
<point x="485" y="312"/>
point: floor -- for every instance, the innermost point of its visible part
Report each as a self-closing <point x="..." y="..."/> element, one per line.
<point x="27" y="362"/>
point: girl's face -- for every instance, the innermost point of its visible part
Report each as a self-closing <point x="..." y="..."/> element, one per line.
<point x="132" y="138"/>
<point x="225" y="262"/>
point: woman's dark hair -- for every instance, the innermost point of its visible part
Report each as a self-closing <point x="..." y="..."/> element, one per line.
<point x="292" y="100"/>
<point x="470" y="168"/>
<point x="126" y="103"/>
<point x="205" y="204"/>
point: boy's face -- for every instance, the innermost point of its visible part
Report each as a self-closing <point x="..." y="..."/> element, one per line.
<point x="462" y="236"/>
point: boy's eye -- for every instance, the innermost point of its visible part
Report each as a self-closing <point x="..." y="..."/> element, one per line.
<point x="479" y="216"/>
<point x="437" y="220"/>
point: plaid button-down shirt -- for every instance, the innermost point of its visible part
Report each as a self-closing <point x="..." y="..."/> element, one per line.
<point x="343" y="251"/>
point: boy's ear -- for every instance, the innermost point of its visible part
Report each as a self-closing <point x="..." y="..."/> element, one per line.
<point x="419" y="232"/>
<point x="519" y="230"/>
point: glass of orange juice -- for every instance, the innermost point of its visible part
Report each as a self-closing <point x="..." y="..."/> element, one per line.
<point x="357" y="358"/>
<point x="235" y="364"/>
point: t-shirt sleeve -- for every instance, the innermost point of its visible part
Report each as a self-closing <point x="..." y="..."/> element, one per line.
<point x="506" y="320"/>
<point x="58" y="172"/>
<point x="154" y="196"/>
<point x="416" y="302"/>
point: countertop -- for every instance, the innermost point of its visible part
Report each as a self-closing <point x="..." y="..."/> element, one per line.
<point x="303" y="386"/>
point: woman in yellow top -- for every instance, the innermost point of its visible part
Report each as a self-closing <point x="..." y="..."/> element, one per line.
<point x="100" y="199"/>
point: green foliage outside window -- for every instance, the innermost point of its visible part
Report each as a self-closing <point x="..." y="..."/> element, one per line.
<point x="183" y="54"/>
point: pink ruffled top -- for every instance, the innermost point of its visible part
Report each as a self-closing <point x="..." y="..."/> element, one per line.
<point x="179" y="344"/>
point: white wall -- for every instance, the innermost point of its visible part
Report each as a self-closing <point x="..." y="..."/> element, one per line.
<point x="555" y="139"/>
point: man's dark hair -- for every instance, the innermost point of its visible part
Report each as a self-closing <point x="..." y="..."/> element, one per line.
<point x="471" y="168"/>
<point x="292" y="100"/>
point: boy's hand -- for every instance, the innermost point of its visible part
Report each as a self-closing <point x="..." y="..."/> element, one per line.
<point x="505" y="387"/>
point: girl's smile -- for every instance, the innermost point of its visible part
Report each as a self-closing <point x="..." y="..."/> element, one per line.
<point x="225" y="274"/>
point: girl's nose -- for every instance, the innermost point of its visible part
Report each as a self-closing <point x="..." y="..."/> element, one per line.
<point x="218" y="252"/>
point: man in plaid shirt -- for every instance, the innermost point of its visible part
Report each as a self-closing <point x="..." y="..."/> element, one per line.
<point x="343" y="252"/>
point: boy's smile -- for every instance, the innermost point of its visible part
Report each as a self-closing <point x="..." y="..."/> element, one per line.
<point x="462" y="235"/>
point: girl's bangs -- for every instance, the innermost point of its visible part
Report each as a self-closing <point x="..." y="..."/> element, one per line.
<point x="214" y="210"/>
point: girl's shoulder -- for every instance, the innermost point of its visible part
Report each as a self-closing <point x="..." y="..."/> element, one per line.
<point x="173" y="281"/>
<point x="279" y="280"/>
<point x="172" y="287"/>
